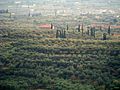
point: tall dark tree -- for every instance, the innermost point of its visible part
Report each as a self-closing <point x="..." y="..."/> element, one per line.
<point x="88" y="30"/>
<point x="60" y="34"/>
<point x="57" y="33"/>
<point x="67" y="27"/>
<point x="64" y="33"/>
<point x="92" y="31"/>
<point x="79" y="28"/>
<point x="52" y="26"/>
<point x="109" y="30"/>
<point x="82" y="29"/>
<point x="104" y="36"/>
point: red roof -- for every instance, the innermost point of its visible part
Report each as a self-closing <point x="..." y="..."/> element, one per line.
<point x="46" y="26"/>
<point x="115" y="34"/>
<point x="116" y="27"/>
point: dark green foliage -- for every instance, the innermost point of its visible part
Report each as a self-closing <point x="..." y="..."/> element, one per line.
<point x="64" y="34"/>
<point x="57" y="33"/>
<point x="100" y="28"/>
<point x="29" y="62"/>
<point x="92" y="31"/>
<point x="88" y="31"/>
<point x="79" y="28"/>
<point x="109" y="30"/>
<point x="60" y="34"/>
<point x="104" y="36"/>
<point x="52" y="26"/>
<point x="67" y="27"/>
<point x="6" y="87"/>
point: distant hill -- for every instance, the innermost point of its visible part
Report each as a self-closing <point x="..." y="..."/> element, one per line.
<point x="90" y="2"/>
<point x="69" y="3"/>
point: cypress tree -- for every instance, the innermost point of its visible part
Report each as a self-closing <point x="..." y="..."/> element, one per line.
<point x="100" y="28"/>
<point x="67" y="27"/>
<point x="94" y="31"/>
<point x="82" y="29"/>
<point x="88" y="32"/>
<point x="109" y="30"/>
<point x="79" y="28"/>
<point x="57" y="33"/>
<point x="60" y="34"/>
<point x="104" y="36"/>
<point x="64" y="34"/>
<point x="51" y="26"/>
<point x="91" y="31"/>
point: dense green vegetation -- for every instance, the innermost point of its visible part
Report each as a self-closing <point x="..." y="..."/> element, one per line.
<point x="92" y="65"/>
<point x="36" y="59"/>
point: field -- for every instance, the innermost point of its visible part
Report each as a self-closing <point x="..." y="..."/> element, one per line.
<point x="32" y="58"/>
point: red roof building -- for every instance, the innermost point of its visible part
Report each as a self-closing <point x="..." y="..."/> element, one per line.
<point x="117" y="35"/>
<point x="46" y="26"/>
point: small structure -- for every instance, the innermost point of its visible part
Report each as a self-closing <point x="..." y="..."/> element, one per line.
<point x="46" y="26"/>
<point x="115" y="26"/>
<point x="116" y="35"/>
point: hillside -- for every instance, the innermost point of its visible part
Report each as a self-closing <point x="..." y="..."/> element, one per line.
<point x="34" y="59"/>
<point x="59" y="44"/>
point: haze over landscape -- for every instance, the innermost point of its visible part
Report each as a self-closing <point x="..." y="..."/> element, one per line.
<point x="62" y="6"/>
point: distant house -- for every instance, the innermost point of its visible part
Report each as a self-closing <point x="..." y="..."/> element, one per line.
<point x="116" y="27"/>
<point x="104" y="25"/>
<point x="116" y="35"/>
<point x="46" y="26"/>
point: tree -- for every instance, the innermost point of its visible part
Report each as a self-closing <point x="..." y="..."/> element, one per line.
<point x="100" y="28"/>
<point x="104" y="36"/>
<point x="52" y="26"/>
<point x="64" y="34"/>
<point x="67" y="27"/>
<point x="82" y="29"/>
<point x="60" y="34"/>
<point x="79" y="28"/>
<point x="88" y="30"/>
<point x="109" y="29"/>
<point x="57" y="33"/>
<point x="92" y="31"/>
